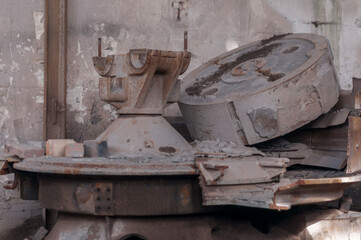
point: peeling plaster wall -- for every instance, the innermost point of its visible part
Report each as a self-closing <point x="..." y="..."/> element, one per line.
<point x="21" y="69"/>
<point x="18" y="218"/>
<point x="213" y="27"/>
<point x="21" y="102"/>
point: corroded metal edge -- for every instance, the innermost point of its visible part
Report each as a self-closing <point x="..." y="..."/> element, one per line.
<point x="105" y="166"/>
<point x="306" y="191"/>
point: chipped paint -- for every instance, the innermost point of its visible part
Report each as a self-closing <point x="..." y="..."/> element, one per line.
<point x="14" y="66"/>
<point x="75" y="100"/>
<point x="79" y="51"/>
<point x="39" y="24"/>
<point x="112" y="110"/>
<point x="18" y="47"/>
<point x="39" y="74"/>
<point x="2" y="66"/>
<point x="28" y="49"/>
<point x="39" y="99"/>
<point x="4" y="114"/>
<point x="110" y="46"/>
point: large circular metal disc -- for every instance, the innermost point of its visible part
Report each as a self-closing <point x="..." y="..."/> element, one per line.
<point x="260" y="91"/>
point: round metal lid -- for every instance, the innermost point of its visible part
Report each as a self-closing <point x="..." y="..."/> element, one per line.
<point x="260" y="91"/>
<point x="252" y="68"/>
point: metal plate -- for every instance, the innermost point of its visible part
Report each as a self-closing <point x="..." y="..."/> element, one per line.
<point x="280" y="195"/>
<point x="128" y="196"/>
<point x="103" y="199"/>
<point x="260" y="91"/>
<point x="354" y="145"/>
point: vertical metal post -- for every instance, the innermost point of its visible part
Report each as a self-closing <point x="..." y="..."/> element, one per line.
<point x="55" y="52"/>
<point x="55" y="68"/>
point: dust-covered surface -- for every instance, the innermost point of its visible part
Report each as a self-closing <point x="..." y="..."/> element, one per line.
<point x="203" y="83"/>
<point x="21" y="70"/>
<point x="228" y="149"/>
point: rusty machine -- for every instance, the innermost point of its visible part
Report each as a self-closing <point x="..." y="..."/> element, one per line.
<point x="153" y="184"/>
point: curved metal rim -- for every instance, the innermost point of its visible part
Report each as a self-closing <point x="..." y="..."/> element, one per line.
<point x="109" y="66"/>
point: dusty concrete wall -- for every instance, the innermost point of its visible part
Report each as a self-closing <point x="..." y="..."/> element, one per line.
<point x="213" y="27"/>
<point x="21" y="101"/>
<point x="21" y="70"/>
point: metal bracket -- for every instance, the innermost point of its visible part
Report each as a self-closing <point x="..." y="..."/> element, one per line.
<point x="54" y="109"/>
<point x="103" y="199"/>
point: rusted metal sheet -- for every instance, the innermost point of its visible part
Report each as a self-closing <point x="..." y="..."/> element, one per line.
<point x="260" y="91"/>
<point x="356" y="92"/>
<point x="280" y="195"/>
<point x="55" y="68"/>
<point x="332" y="138"/>
<point x="233" y="171"/>
<point x="354" y="145"/>
<point x="306" y="191"/>
<point x="248" y="195"/>
<point x="332" y="118"/>
<point x="324" y="158"/>
<point x="7" y="165"/>
<point x="301" y="154"/>
<point x="129" y="195"/>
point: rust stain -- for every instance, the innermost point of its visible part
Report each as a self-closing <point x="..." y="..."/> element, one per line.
<point x="72" y="171"/>
<point x="186" y="195"/>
